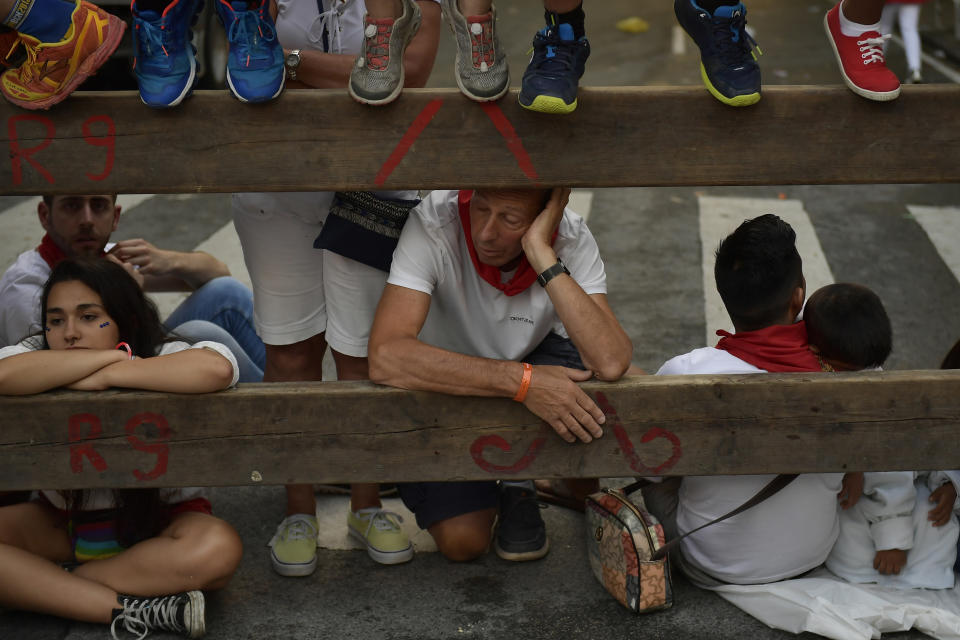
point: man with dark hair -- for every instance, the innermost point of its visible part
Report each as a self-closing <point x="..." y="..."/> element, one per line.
<point x="79" y="226"/>
<point x="759" y="275"/>
<point x="493" y="293"/>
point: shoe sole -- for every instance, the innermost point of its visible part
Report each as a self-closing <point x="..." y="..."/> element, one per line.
<point x="293" y="570"/>
<point x="417" y="18"/>
<point x="115" y="29"/>
<point x="456" y="66"/>
<point x="524" y="556"/>
<point x="549" y="104"/>
<point x="383" y="557"/>
<point x="876" y="96"/>
<point x="197" y="623"/>
<point x="737" y="101"/>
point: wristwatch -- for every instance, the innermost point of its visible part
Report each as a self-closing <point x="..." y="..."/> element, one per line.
<point x="550" y="273"/>
<point x="292" y="62"/>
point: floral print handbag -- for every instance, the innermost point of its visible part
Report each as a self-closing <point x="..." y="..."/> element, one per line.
<point x="622" y="539"/>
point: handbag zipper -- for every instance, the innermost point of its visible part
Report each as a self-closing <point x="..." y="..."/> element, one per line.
<point x="624" y="501"/>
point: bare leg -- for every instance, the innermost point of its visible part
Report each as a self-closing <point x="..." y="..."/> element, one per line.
<point x="362" y="496"/>
<point x="383" y="8"/>
<point x="196" y="551"/>
<point x="561" y="6"/>
<point x="464" y="537"/>
<point x="863" y="11"/>
<point x="291" y="363"/>
<point x="475" y="7"/>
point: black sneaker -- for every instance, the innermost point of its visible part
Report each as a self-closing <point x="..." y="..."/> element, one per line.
<point x="182" y="613"/>
<point x="521" y="534"/>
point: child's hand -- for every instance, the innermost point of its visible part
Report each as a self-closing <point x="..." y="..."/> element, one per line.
<point x="851" y="489"/>
<point x="944" y="498"/>
<point x="890" y="561"/>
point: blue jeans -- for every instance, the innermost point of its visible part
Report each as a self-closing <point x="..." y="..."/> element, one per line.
<point x="228" y="304"/>
<point x="194" y="331"/>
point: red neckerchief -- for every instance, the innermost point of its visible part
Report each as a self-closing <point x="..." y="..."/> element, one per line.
<point x="780" y="348"/>
<point x="521" y="280"/>
<point x="50" y="252"/>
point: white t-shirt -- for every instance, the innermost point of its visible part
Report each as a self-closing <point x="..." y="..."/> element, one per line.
<point x="103" y="498"/>
<point x="788" y="534"/>
<point x="467" y="314"/>
<point x="21" y="288"/>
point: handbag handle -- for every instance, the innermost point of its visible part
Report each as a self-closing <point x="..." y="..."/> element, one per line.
<point x="770" y="489"/>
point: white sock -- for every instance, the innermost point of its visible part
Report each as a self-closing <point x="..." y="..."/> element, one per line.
<point x="521" y="484"/>
<point x="853" y="29"/>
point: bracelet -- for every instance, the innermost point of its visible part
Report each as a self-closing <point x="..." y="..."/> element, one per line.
<point x="123" y="346"/>
<point x="524" y="382"/>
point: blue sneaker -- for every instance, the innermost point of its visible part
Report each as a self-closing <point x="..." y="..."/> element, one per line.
<point x="728" y="54"/>
<point x="164" y="60"/>
<point x="552" y="78"/>
<point x="255" y="71"/>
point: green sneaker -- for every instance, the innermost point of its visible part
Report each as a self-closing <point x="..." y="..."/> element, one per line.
<point x="380" y="531"/>
<point x="294" y="546"/>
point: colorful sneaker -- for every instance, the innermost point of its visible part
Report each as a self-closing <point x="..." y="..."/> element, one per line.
<point x="255" y="71"/>
<point x="11" y="53"/>
<point x="481" y="65"/>
<point x="728" y="53"/>
<point x="294" y="546"/>
<point x="861" y="61"/>
<point x="552" y="78"/>
<point x="164" y="60"/>
<point x="380" y="531"/>
<point x="377" y="76"/>
<point x="52" y="70"/>
<point x="182" y="613"/>
<point x="521" y="533"/>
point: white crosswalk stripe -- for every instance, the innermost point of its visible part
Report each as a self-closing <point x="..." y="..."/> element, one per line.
<point x="942" y="225"/>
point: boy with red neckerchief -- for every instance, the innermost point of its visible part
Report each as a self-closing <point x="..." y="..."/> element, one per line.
<point x="497" y="293"/>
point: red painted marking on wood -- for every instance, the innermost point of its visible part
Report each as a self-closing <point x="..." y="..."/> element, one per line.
<point x="514" y="143"/>
<point x="108" y="141"/>
<point x="476" y="450"/>
<point x="403" y="147"/>
<point x="18" y="153"/>
<point x="626" y="445"/>
<point x="77" y="433"/>
<point x="160" y="449"/>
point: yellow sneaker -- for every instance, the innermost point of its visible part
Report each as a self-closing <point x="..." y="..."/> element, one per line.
<point x="380" y="531"/>
<point x="294" y="546"/>
<point x="53" y="70"/>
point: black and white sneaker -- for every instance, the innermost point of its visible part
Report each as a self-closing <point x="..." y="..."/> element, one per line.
<point x="182" y="613"/>
<point x="521" y="534"/>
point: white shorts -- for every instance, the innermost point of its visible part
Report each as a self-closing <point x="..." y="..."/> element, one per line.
<point x="299" y="291"/>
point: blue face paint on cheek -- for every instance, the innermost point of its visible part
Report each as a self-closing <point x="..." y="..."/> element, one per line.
<point x="46" y="328"/>
<point x="105" y="324"/>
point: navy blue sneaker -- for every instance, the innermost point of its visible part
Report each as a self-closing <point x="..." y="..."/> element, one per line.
<point x="728" y="61"/>
<point x="255" y="71"/>
<point x="552" y="78"/>
<point x="164" y="60"/>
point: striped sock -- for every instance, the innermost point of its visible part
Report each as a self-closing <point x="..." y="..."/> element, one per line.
<point x="45" y="20"/>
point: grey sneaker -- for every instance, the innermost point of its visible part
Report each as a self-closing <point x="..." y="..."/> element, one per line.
<point x="182" y="613"/>
<point x="481" y="67"/>
<point x="377" y="76"/>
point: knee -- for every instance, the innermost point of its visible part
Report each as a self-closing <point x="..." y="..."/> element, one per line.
<point x="212" y="554"/>
<point x="459" y="543"/>
<point x="291" y="361"/>
<point x="227" y="289"/>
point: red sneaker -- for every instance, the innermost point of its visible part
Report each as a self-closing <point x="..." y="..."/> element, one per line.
<point x="861" y="61"/>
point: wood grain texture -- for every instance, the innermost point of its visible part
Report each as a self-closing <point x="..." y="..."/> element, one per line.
<point x="358" y="432"/>
<point x="620" y="136"/>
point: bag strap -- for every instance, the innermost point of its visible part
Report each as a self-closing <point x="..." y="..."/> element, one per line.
<point x="770" y="489"/>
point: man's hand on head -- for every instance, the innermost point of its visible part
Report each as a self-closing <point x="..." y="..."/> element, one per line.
<point x="149" y="259"/>
<point x="555" y="397"/>
<point x="536" y="241"/>
<point x="129" y="268"/>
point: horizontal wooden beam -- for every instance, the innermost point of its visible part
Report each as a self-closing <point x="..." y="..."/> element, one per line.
<point x="430" y="139"/>
<point x="358" y="432"/>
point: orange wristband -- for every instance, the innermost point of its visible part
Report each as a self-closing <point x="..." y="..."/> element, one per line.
<point x="524" y="382"/>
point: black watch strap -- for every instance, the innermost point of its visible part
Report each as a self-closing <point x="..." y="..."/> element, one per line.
<point x="550" y="273"/>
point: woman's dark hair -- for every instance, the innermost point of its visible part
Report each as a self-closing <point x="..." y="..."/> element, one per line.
<point x="139" y="511"/>
<point x="136" y="316"/>
<point x="847" y="322"/>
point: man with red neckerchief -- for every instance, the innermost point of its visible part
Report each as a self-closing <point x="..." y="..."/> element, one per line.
<point x="497" y="293"/>
<point x="759" y="276"/>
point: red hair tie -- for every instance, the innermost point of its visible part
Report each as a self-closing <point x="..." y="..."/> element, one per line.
<point x="123" y="346"/>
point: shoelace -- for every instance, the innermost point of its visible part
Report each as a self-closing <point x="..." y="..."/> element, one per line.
<point x="299" y="530"/>
<point x="249" y="30"/>
<point x="377" y="45"/>
<point x="871" y="49"/>
<point x="481" y="44"/>
<point x="380" y="519"/>
<point x="151" y="38"/>
<point x="728" y="33"/>
<point x="142" y="616"/>
<point x="556" y="57"/>
<point x="329" y="22"/>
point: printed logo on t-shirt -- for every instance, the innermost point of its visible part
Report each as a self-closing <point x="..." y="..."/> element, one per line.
<point x="521" y="319"/>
